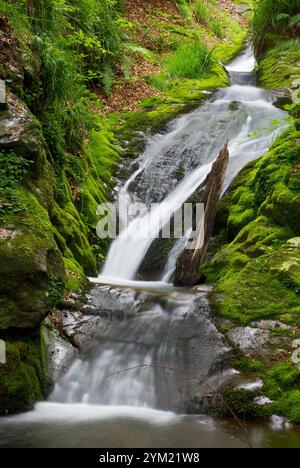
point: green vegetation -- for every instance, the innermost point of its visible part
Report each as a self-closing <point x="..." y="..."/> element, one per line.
<point x="23" y="377"/>
<point x="282" y="385"/>
<point x="62" y="61"/>
<point x="258" y="220"/>
<point x="274" y="21"/>
<point x="13" y="169"/>
<point x="256" y="266"/>
<point x="190" y="61"/>
<point x="190" y="54"/>
<point x="237" y="401"/>
<point x="201" y="11"/>
<point x="279" y="67"/>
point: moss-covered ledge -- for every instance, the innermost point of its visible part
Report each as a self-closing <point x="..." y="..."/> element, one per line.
<point x="255" y="267"/>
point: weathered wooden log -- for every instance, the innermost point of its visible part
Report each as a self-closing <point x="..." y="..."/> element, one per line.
<point x="189" y="261"/>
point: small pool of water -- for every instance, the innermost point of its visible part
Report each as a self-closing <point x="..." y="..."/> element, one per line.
<point x="86" y="426"/>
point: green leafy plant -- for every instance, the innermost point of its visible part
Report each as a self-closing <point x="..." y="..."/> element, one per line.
<point x="201" y="12"/>
<point x="190" y="60"/>
<point x="159" y="81"/>
<point x="13" y="169"/>
<point x="217" y="29"/>
<point x="274" y="17"/>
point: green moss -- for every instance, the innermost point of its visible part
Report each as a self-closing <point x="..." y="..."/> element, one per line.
<point x="246" y="364"/>
<point x="254" y="294"/>
<point x="279" y="68"/>
<point x="74" y="232"/>
<point x="29" y="258"/>
<point x="75" y="279"/>
<point x="282" y="386"/>
<point x="288" y="406"/>
<point x="239" y="403"/>
<point x="283" y="377"/>
<point x="23" y="376"/>
<point x="228" y="50"/>
<point x="286" y="206"/>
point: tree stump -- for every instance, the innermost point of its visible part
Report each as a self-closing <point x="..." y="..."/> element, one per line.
<point x="190" y="260"/>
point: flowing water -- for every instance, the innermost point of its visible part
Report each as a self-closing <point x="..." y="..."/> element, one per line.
<point x="158" y="356"/>
<point x="242" y="114"/>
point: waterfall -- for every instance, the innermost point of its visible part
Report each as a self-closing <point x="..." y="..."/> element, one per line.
<point x="126" y="364"/>
<point x="192" y="142"/>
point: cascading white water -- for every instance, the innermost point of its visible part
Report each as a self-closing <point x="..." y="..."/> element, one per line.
<point x="242" y="114"/>
<point x="162" y="326"/>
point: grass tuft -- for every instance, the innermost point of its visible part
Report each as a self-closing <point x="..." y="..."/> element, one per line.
<point x="190" y="60"/>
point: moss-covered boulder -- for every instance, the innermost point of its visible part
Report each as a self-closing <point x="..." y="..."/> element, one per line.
<point x="31" y="264"/>
<point x="280" y="67"/>
<point x="31" y="267"/>
<point x="23" y="377"/>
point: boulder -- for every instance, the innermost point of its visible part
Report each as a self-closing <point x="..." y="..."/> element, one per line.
<point x="251" y="341"/>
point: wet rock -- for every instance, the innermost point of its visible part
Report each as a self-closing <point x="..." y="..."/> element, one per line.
<point x="279" y="422"/>
<point x="296" y="89"/>
<point x="272" y="325"/>
<point x="19" y="130"/>
<point x="155" y="259"/>
<point x="262" y="400"/>
<point x="81" y="330"/>
<point x="251" y="341"/>
<point x="283" y="97"/>
<point x="172" y="332"/>
<point x="59" y="352"/>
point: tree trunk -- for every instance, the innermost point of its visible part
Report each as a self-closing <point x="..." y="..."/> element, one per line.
<point x="190" y="260"/>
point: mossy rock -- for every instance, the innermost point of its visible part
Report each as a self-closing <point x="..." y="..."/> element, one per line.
<point x="255" y="268"/>
<point x="279" y="68"/>
<point x="75" y="279"/>
<point x="31" y="264"/>
<point x="74" y="233"/>
<point x="282" y="386"/>
<point x="23" y="378"/>
<point x="286" y="204"/>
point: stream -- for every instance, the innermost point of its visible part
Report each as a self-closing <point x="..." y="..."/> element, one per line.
<point x="153" y="358"/>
